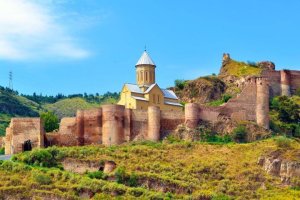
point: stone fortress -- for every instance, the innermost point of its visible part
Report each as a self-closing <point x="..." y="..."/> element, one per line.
<point x="116" y="124"/>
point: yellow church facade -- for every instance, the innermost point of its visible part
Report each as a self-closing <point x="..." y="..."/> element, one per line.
<point x="147" y="92"/>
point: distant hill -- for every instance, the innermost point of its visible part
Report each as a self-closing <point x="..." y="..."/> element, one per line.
<point x="68" y="107"/>
<point x="14" y="105"/>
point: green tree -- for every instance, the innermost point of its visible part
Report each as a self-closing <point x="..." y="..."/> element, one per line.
<point x="50" y="121"/>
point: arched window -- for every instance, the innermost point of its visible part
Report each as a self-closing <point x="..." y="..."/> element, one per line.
<point x="150" y="79"/>
<point x="158" y="99"/>
<point x="153" y="98"/>
<point x="141" y="76"/>
<point x="138" y="76"/>
<point x="146" y="76"/>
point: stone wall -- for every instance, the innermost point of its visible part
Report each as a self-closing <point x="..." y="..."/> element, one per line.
<point x="113" y="124"/>
<point x="22" y="130"/>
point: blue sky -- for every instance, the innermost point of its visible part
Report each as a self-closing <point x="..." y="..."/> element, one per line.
<point x="76" y="46"/>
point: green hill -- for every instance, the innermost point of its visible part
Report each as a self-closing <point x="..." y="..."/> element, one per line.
<point x="68" y="107"/>
<point x="14" y="105"/>
<point x="164" y="170"/>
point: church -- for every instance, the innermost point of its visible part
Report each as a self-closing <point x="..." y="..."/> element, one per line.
<point x="146" y="91"/>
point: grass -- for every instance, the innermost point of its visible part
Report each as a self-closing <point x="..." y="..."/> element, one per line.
<point x="182" y="170"/>
<point x="241" y="69"/>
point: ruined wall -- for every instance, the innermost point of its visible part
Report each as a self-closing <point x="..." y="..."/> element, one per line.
<point x="243" y="106"/>
<point x="22" y="130"/>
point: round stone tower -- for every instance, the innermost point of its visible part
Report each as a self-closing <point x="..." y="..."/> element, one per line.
<point x="285" y="83"/>
<point x="112" y="124"/>
<point x="192" y="115"/>
<point x="262" y="103"/>
<point x="145" y="70"/>
<point x="80" y="127"/>
<point x="153" y="123"/>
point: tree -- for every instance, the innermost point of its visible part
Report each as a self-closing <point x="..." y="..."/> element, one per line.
<point x="50" y="121"/>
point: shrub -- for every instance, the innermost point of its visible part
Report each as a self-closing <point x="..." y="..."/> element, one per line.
<point x="240" y="133"/>
<point x="96" y="175"/>
<point x="42" y="179"/>
<point x="298" y="92"/>
<point x="180" y="84"/>
<point x="2" y="151"/>
<point x="120" y="174"/>
<point x="41" y="157"/>
<point x="226" y="97"/>
<point x="133" y="180"/>
<point x="283" y="142"/>
<point x="50" y="121"/>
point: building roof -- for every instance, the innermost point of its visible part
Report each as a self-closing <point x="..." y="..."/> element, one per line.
<point x="135" y="89"/>
<point x="145" y="59"/>
<point x="173" y="103"/>
<point x="169" y="94"/>
<point x="139" y="98"/>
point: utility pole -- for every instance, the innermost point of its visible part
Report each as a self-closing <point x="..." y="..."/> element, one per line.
<point x="10" y="84"/>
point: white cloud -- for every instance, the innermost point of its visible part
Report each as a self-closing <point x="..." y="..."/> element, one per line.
<point x="31" y="30"/>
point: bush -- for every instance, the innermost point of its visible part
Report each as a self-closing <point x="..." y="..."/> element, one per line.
<point x="42" y="179"/>
<point x="50" y="121"/>
<point x="240" y="133"/>
<point x="180" y="84"/>
<point x="133" y="180"/>
<point x="120" y="174"/>
<point x="2" y="151"/>
<point x="96" y="175"/>
<point x="283" y="142"/>
<point x="41" y="157"/>
<point x="226" y="97"/>
<point x="287" y="109"/>
<point x="298" y="92"/>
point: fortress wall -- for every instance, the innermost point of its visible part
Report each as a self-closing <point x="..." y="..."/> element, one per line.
<point x="170" y="120"/>
<point x="139" y="124"/>
<point x="295" y="80"/>
<point x="243" y="106"/>
<point x="274" y="79"/>
<point x="92" y="126"/>
<point x="113" y="124"/>
<point x="209" y="113"/>
<point x="67" y="134"/>
<point x="153" y="123"/>
<point x="21" y="130"/>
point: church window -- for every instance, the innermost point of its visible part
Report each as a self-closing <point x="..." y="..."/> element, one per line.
<point x="158" y="99"/>
<point x="154" y="98"/>
<point x="150" y="73"/>
<point x="141" y="76"/>
<point x="146" y="76"/>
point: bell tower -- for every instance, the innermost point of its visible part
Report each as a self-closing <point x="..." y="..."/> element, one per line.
<point x="145" y="71"/>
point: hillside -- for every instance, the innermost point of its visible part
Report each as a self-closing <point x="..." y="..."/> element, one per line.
<point x="212" y="89"/>
<point x="165" y="170"/>
<point x="14" y="105"/>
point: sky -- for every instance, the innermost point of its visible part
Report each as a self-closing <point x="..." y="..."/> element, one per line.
<point x="77" y="46"/>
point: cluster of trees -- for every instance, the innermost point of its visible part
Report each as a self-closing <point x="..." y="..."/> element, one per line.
<point x="92" y="98"/>
<point x="285" y="115"/>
